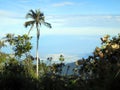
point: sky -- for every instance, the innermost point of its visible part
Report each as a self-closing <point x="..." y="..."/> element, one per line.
<point x="77" y="25"/>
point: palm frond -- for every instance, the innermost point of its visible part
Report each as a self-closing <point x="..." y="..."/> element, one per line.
<point x="33" y="13"/>
<point x="41" y="14"/>
<point x="29" y="15"/>
<point x="47" y="24"/>
<point x="42" y="18"/>
<point x="38" y="12"/>
<point x="28" y="23"/>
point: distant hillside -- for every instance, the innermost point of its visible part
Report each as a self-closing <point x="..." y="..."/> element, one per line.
<point x="71" y="66"/>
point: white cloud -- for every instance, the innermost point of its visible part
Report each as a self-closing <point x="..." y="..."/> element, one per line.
<point x="83" y="25"/>
<point x="117" y="18"/>
<point x="4" y="14"/>
<point x="84" y="20"/>
<point x="81" y="31"/>
<point x="11" y="22"/>
<point x="64" y="25"/>
<point x="62" y="4"/>
<point x="9" y="19"/>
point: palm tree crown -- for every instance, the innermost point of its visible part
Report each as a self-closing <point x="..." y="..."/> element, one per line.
<point x="37" y="18"/>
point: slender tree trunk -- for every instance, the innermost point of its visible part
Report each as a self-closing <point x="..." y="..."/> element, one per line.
<point x="37" y="56"/>
<point x="37" y="53"/>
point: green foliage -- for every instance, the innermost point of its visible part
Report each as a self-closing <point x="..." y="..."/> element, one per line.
<point x="101" y="71"/>
<point x="3" y="57"/>
<point x="21" y="44"/>
<point x="28" y="67"/>
<point x="2" y="44"/>
<point x="61" y="58"/>
<point x="14" y="76"/>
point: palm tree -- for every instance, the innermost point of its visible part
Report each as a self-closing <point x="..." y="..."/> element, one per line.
<point x="37" y="19"/>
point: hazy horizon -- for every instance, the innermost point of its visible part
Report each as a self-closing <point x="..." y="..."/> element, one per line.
<point x="73" y="47"/>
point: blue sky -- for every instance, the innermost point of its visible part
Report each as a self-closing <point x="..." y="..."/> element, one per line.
<point x="66" y="16"/>
<point x="69" y="18"/>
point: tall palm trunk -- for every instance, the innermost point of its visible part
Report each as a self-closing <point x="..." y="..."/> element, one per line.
<point x="37" y="53"/>
<point x="37" y="57"/>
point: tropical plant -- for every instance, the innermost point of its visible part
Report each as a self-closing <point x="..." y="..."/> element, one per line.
<point x="2" y="44"/>
<point x="37" y="19"/>
<point x="3" y="55"/>
<point x="20" y="44"/>
<point x="10" y="38"/>
<point x="102" y="70"/>
<point x="61" y="58"/>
